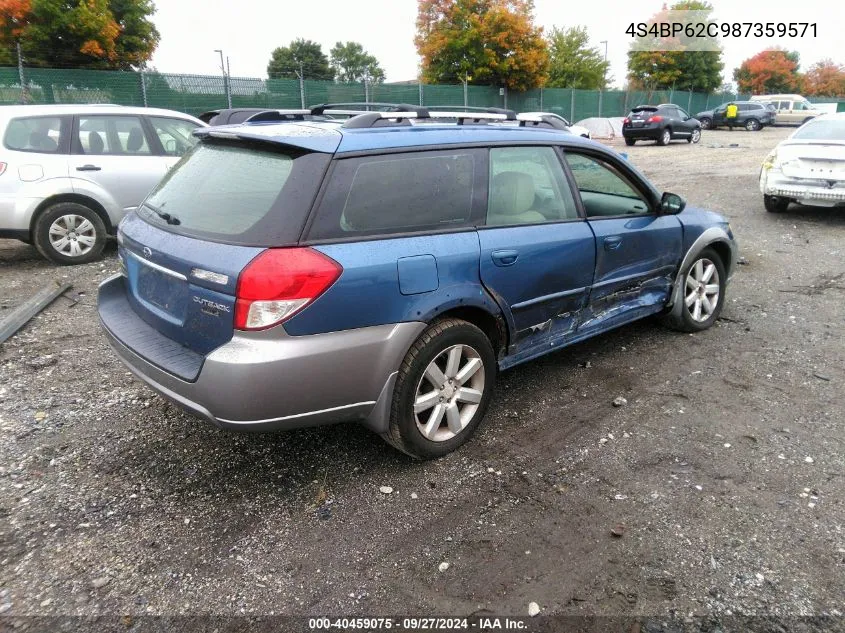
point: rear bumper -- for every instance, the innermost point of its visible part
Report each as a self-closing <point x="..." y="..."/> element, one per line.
<point x="804" y="191"/>
<point x="652" y="133"/>
<point x="262" y="381"/>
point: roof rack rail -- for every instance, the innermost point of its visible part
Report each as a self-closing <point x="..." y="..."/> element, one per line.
<point x="278" y="115"/>
<point x="510" y="114"/>
<point x="358" y="107"/>
<point x="537" y="120"/>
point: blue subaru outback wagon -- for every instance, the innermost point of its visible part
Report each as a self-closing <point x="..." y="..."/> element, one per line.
<point x="384" y="267"/>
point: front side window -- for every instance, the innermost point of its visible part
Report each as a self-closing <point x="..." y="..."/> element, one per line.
<point x="398" y="193"/>
<point x="176" y="135"/>
<point x="528" y="186"/>
<point x="605" y="191"/>
<point x="121" y="135"/>
<point x="34" y="134"/>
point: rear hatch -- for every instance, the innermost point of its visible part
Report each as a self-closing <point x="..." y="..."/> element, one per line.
<point x="822" y="161"/>
<point x="224" y="204"/>
<point x="639" y="116"/>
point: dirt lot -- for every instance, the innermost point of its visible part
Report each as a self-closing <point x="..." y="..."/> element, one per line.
<point x="725" y="467"/>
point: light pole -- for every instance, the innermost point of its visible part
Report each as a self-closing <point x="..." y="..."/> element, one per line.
<point x="604" y="79"/>
<point x="225" y="78"/>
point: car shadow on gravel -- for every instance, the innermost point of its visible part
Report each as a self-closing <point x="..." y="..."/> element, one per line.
<point x="822" y="215"/>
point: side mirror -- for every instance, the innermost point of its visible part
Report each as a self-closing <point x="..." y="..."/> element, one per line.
<point x="671" y="203"/>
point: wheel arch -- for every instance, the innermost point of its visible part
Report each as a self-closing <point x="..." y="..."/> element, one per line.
<point x="715" y="238"/>
<point x="72" y="197"/>
<point x="493" y="325"/>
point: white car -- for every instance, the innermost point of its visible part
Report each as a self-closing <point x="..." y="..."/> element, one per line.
<point x="71" y="172"/>
<point x="575" y="129"/>
<point x="808" y="167"/>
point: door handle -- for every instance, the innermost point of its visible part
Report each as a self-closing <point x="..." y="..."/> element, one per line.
<point x="612" y="243"/>
<point x="504" y="258"/>
<point x="88" y="168"/>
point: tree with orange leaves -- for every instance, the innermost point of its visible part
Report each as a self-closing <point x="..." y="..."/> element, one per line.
<point x="104" y="34"/>
<point x="488" y="42"/>
<point x="769" y="72"/>
<point x="825" y="79"/>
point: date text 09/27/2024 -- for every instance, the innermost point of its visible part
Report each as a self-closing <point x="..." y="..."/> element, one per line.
<point x="419" y="624"/>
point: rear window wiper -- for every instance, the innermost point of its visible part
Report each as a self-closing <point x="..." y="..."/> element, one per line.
<point x="164" y="215"/>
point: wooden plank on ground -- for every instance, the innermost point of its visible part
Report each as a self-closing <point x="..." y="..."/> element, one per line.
<point x="19" y="316"/>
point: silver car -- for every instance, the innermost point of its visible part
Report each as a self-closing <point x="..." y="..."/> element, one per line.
<point x="808" y="167"/>
<point x="71" y="172"/>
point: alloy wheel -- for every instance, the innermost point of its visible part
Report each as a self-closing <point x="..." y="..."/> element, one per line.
<point x="72" y="235"/>
<point x="449" y="393"/>
<point x="702" y="290"/>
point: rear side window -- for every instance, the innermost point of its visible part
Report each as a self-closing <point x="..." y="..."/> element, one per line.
<point x="112" y="135"/>
<point x="246" y="194"/>
<point x="398" y="193"/>
<point x="34" y="134"/>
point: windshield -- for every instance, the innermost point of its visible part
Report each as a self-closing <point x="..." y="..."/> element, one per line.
<point x="237" y="193"/>
<point x="822" y="130"/>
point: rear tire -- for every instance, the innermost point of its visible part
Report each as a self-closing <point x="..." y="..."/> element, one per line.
<point x="630" y="141"/>
<point x="753" y="125"/>
<point x="442" y="391"/>
<point x="775" y="204"/>
<point x="69" y="233"/>
<point x="665" y="137"/>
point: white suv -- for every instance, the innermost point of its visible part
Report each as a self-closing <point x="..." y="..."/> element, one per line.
<point x="69" y="173"/>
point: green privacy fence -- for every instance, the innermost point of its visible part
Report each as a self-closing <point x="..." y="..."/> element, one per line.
<point x="199" y="93"/>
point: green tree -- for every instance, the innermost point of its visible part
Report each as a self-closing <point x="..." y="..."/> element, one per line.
<point x="301" y="55"/>
<point x="488" y="42"/>
<point x="351" y="62"/>
<point x="138" y="35"/>
<point x="100" y="34"/>
<point x="682" y="69"/>
<point x="573" y="62"/>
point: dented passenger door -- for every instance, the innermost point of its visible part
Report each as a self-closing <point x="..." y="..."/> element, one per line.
<point x="637" y="249"/>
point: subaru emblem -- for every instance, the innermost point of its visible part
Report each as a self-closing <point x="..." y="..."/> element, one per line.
<point x="148" y="252"/>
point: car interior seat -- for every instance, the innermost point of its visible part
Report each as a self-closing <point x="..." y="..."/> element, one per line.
<point x="95" y="143"/>
<point x="511" y="198"/>
<point x="135" y="141"/>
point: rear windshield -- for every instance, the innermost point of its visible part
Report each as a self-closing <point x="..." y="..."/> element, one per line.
<point x="239" y="194"/>
<point x="823" y="130"/>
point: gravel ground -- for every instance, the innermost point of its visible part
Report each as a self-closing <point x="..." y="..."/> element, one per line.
<point x="723" y="473"/>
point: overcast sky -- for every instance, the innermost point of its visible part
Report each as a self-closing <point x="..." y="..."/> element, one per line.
<point x="249" y="30"/>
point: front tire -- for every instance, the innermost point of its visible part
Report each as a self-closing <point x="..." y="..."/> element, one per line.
<point x="69" y="233"/>
<point x="695" y="137"/>
<point x="442" y="391"/>
<point x="775" y="204"/>
<point x="665" y="137"/>
<point x="630" y="141"/>
<point x="702" y="293"/>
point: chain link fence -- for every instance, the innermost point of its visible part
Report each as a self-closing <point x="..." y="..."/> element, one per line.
<point x="195" y="94"/>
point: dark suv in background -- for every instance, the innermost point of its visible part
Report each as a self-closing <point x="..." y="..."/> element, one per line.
<point x="661" y="123"/>
<point x="750" y="115"/>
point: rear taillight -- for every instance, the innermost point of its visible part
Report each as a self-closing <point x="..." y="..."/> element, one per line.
<point x="655" y="119"/>
<point x="626" y="120"/>
<point x="279" y="283"/>
<point x="2" y="168"/>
